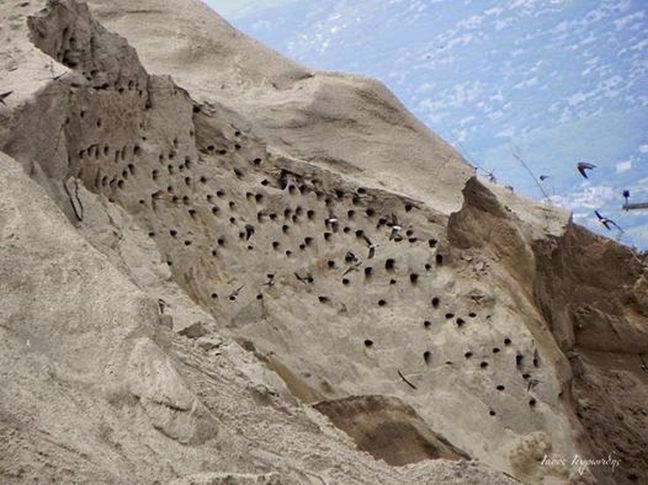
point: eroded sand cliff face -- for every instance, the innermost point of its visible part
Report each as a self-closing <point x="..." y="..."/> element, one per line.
<point x="206" y="276"/>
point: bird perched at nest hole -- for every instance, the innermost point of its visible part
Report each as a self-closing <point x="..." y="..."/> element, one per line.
<point x="583" y="167"/>
<point x="350" y="257"/>
<point x="395" y="227"/>
<point x="607" y="222"/>
<point x="270" y="283"/>
<point x="4" y="96"/>
<point x="304" y="279"/>
<point x="249" y="231"/>
<point x="332" y="223"/>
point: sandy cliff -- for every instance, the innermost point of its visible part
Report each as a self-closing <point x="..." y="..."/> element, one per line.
<point x="219" y="265"/>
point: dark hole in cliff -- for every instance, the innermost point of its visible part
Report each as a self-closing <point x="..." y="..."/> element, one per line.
<point x="330" y="263"/>
<point x="323" y="299"/>
<point x="368" y="343"/>
<point x="310" y="214"/>
<point x="389" y="264"/>
<point x="367" y="271"/>
<point x="173" y="232"/>
<point x="413" y="278"/>
<point x="500" y="387"/>
<point x="460" y="322"/>
<point x="370" y="212"/>
<point x="392" y="282"/>
<point x="526" y="376"/>
<point x="382" y="302"/>
<point x="345" y="281"/>
<point x="492" y="413"/>
<point x="449" y="315"/>
<point x="427" y="323"/>
<point x="532" y="402"/>
<point x="439" y="258"/>
<point x="214" y="296"/>
<point x="428" y="266"/>
<point x="408" y="207"/>
<point x="483" y="364"/>
<point x="435" y="302"/>
<point x="427" y="355"/>
<point x="468" y="355"/>
<point x="288" y="253"/>
<point x="362" y="190"/>
<point x="507" y="341"/>
<point x="472" y="314"/>
<point x="496" y="350"/>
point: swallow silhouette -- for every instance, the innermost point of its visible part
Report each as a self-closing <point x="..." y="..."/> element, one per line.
<point x="607" y="222"/>
<point x="4" y="96"/>
<point x="583" y="166"/>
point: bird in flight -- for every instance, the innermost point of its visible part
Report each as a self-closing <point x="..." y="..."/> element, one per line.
<point x="607" y="222"/>
<point x="372" y="246"/>
<point x="4" y="96"/>
<point x="583" y="166"/>
<point x="543" y="177"/>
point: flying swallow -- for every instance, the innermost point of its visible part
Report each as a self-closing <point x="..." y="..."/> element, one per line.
<point x="607" y="222"/>
<point x="583" y="166"/>
<point x="4" y="96"/>
<point x="232" y="296"/>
